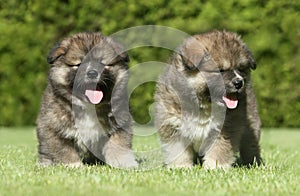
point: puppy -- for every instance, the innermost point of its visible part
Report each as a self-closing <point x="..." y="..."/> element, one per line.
<point x="84" y="116"/>
<point x="205" y="105"/>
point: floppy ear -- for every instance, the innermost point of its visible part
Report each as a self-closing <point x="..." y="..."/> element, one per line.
<point x="192" y="54"/>
<point x="253" y="65"/>
<point x="122" y="55"/>
<point x="252" y="61"/>
<point x="187" y="61"/>
<point x="55" y="53"/>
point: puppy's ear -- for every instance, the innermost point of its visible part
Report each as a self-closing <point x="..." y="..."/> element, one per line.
<point x="252" y="62"/>
<point x="55" y="53"/>
<point x="122" y="55"/>
<point x="188" y="62"/>
<point x="253" y="65"/>
<point x="192" y="54"/>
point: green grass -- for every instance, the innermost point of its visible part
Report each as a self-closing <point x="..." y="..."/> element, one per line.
<point x="20" y="175"/>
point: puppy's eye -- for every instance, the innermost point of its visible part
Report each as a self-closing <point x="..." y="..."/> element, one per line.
<point x="222" y="70"/>
<point x="75" y="66"/>
<point x="109" y="65"/>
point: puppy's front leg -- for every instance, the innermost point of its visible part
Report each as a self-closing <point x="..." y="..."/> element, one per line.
<point x="220" y="155"/>
<point x="178" y="153"/>
<point x="58" y="151"/>
<point x="249" y="148"/>
<point x="117" y="151"/>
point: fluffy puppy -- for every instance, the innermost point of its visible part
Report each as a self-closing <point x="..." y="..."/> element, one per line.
<point x="205" y="105"/>
<point x="84" y="116"/>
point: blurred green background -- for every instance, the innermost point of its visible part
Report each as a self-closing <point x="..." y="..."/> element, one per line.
<point x="30" y="28"/>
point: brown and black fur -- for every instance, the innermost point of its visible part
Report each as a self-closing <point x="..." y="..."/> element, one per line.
<point x="192" y="120"/>
<point x="71" y="130"/>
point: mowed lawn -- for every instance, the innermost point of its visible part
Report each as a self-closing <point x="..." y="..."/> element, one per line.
<point x="20" y="174"/>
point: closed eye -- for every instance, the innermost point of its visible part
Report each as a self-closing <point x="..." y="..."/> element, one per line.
<point x="222" y="70"/>
<point x="214" y="71"/>
<point x="73" y="62"/>
<point x="116" y="62"/>
<point x="76" y="65"/>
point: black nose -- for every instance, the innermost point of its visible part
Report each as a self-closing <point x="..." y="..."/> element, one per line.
<point x="92" y="74"/>
<point x="238" y="83"/>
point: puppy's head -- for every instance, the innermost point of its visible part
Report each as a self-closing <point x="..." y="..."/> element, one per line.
<point x="206" y="58"/>
<point x="87" y="65"/>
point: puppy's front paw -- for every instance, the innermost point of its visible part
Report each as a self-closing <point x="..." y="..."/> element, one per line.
<point x="214" y="164"/>
<point x="126" y="160"/>
<point x="181" y="165"/>
<point x="74" y="165"/>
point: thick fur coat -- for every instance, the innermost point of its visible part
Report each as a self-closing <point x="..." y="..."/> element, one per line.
<point x="84" y="115"/>
<point x="205" y="105"/>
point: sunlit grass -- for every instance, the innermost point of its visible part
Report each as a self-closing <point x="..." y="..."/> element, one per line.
<point x="20" y="175"/>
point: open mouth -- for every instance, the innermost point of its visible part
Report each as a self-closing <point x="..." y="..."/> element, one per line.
<point x="230" y="100"/>
<point x="94" y="96"/>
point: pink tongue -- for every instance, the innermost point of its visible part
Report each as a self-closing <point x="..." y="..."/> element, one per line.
<point x="94" y="96"/>
<point x="231" y="103"/>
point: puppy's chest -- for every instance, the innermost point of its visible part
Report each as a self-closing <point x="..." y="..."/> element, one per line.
<point x="87" y="126"/>
<point x="87" y="130"/>
<point x="200" y="127"/>
<point x="201" y="131"/>
<point x="195" y="127"/>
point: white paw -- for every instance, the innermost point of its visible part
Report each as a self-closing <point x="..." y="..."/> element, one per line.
<point x="179" y="165"/>
<point x="74" y="165"/>
<point x="125" y="161"/>
<point x="214" y="164"/>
